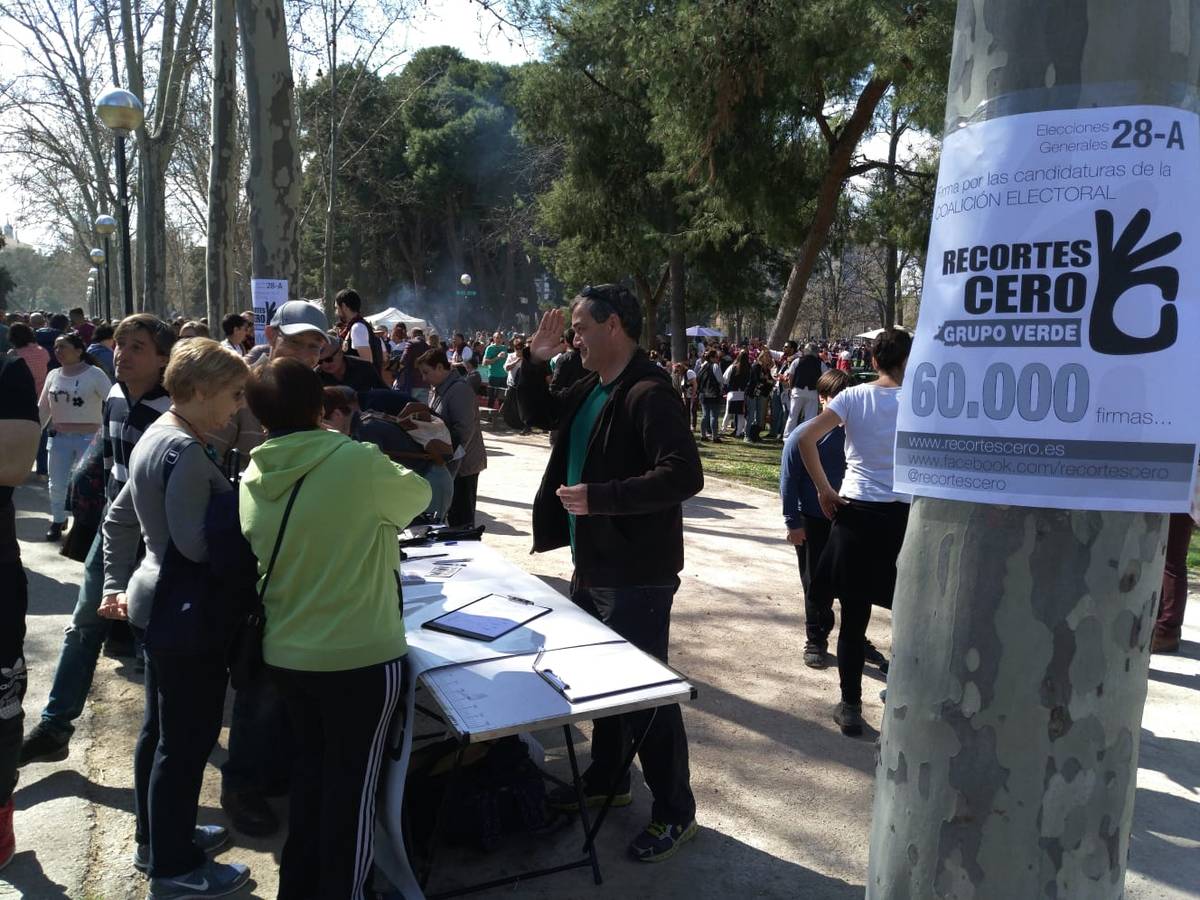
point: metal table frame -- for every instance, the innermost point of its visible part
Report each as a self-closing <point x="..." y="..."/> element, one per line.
<point x="590" y="829"/>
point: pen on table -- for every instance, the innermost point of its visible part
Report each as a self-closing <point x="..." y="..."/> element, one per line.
<point x="516" y="599"/>
<point x="427" y="556"/>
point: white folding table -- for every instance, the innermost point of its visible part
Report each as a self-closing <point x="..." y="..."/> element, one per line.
<point x="487" y="690"/>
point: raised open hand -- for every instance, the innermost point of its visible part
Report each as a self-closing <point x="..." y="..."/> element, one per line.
<point x="546" y="340"/>
<point x="1120" y="271"/>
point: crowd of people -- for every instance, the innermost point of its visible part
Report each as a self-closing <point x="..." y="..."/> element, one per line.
<point x="226" y="493"/>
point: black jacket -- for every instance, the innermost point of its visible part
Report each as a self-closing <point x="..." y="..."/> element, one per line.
<point x="641" y="465"/>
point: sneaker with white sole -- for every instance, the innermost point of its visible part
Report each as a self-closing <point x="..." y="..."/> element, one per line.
<point x="661" y="840"/>
<point x="213" y="879"/>
<point x="209" y="838"/>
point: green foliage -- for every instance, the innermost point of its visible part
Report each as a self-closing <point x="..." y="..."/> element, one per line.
<point x="52" y="281"/>
<point x="608" y="212"/>
<point x="432" y="181"/>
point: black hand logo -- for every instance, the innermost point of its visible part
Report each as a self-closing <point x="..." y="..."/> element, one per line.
<point x="1119" y="273"/>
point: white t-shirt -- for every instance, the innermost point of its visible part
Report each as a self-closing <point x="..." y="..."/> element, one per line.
<point x="869" y="414"/>
<point x="74" y="399"/>
<point x="360" y="340"/>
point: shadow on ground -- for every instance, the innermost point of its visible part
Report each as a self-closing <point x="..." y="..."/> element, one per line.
<point x="1163" y="826"/>
<point x="714" y="864"/>
<point x="26" y="875"/>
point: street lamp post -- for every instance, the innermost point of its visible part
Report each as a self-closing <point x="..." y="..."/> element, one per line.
<point x="105" y="226"/>
<point x="99" y="258"/>
<point x="121" y="113"/>
<point x="92" y="288"/>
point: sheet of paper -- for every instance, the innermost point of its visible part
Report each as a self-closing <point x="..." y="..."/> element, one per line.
<point x="580" y="673"/>
<point x="491" y="616"/>
<point x="267" y="295"/>
<point x="1050" y="339"/>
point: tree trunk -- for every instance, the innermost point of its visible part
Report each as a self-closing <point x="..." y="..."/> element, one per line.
<point x="1009" y="746"/>
<point x="273" y="186"/>
<point x="1014" y="702"/>
<point x="892" y="269"/>
<point x="650" y="296"/>
<point x="156" y="137"/>
<point x="841" y="153"/>
<point x="222" y="165"/>
<point x="678" y="268"/>
<point x="331" y="184"/>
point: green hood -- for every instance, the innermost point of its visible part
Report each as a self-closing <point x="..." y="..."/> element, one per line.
<point x="284" y="460"/>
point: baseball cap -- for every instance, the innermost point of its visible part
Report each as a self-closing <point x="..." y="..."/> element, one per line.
<point x="299" y="316"/>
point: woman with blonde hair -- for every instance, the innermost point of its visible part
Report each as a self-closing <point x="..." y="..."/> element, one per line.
<point x="170" y="597"/>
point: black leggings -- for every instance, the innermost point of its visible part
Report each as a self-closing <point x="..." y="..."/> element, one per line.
<point x="859" y="564"/>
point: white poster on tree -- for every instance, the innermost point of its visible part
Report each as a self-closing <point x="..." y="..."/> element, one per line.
<point x="267" y="295"/>
<point x="1055" y="361"/>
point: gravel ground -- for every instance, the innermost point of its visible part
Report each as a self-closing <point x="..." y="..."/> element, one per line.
<point x="784" y="799"/>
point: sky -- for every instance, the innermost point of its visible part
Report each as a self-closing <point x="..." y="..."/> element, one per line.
<point x="456" y="23"/>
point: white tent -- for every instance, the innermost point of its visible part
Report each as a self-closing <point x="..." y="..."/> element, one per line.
<point x="871" y="335"/>
<point x="701" y="331"/>
<point x="391" y="317"/>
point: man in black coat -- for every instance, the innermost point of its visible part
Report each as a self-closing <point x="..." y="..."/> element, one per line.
<point x="623" y="463"/>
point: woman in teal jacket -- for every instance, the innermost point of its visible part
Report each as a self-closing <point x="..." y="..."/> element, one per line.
<point x="334" y="633"/>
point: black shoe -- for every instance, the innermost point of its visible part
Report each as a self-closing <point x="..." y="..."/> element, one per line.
<point x="849" y="718"/>
<point x="44" y="744"/>
<point x="872" y="655"/>
<point x="814" y="655"/>
<point x="249" y="813"/>
<point x="55" y="531"/>
<point x="564" y="799"/>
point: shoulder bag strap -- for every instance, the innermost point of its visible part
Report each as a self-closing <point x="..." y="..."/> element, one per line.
<point x="279" y="538"/>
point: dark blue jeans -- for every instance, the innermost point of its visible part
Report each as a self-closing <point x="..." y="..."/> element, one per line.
<point x="778" y="414"/>
<point x="261" y="747"/>
<point x="81" y="648"/>
<point x="185" y="697"/>
<point x="711" y="418"/>
<point x="641" y="615"/>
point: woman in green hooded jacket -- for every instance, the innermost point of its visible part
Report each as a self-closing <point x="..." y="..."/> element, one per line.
<point x="334" y="636"/>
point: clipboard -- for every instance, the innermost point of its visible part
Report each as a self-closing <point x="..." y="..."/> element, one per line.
<point x="490" y="617"/>
<point x="593" y="671"/>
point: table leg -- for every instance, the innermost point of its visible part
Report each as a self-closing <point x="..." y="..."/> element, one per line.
<point x="590" y="834"/>
<point x="451" y="790"/>
<point x="589" y="846"/>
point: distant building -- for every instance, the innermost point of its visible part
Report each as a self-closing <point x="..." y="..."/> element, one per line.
<point x="10" y="236"/>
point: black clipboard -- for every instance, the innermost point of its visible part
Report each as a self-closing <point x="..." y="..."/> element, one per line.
<point x="462" y="622"/>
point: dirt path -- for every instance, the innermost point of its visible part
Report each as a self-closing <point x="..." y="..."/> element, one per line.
<point x="784" y="800"/>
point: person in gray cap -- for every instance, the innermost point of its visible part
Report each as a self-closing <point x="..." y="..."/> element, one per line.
<point x="259" y="742"/>
<point x="297" y="330"/>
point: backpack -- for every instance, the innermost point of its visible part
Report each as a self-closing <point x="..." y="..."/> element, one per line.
<point x="710" y="385"/>
<point x="498" y="794"/>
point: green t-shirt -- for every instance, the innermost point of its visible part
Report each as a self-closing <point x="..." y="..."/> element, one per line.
<point x="492" y="364"/>
<point x="577" y="442"/>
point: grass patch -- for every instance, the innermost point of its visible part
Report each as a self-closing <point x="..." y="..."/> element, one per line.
<point x="1194" y="551"/>
<point x="756" y="465"/>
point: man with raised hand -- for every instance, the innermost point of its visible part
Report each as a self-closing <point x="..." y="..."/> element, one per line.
<point x="621" y="466"/>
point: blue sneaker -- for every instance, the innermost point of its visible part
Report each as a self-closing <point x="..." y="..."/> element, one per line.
<point x="209" y="838"/>
<point x="213" y="879"/>
<point x="661" y="841"/>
